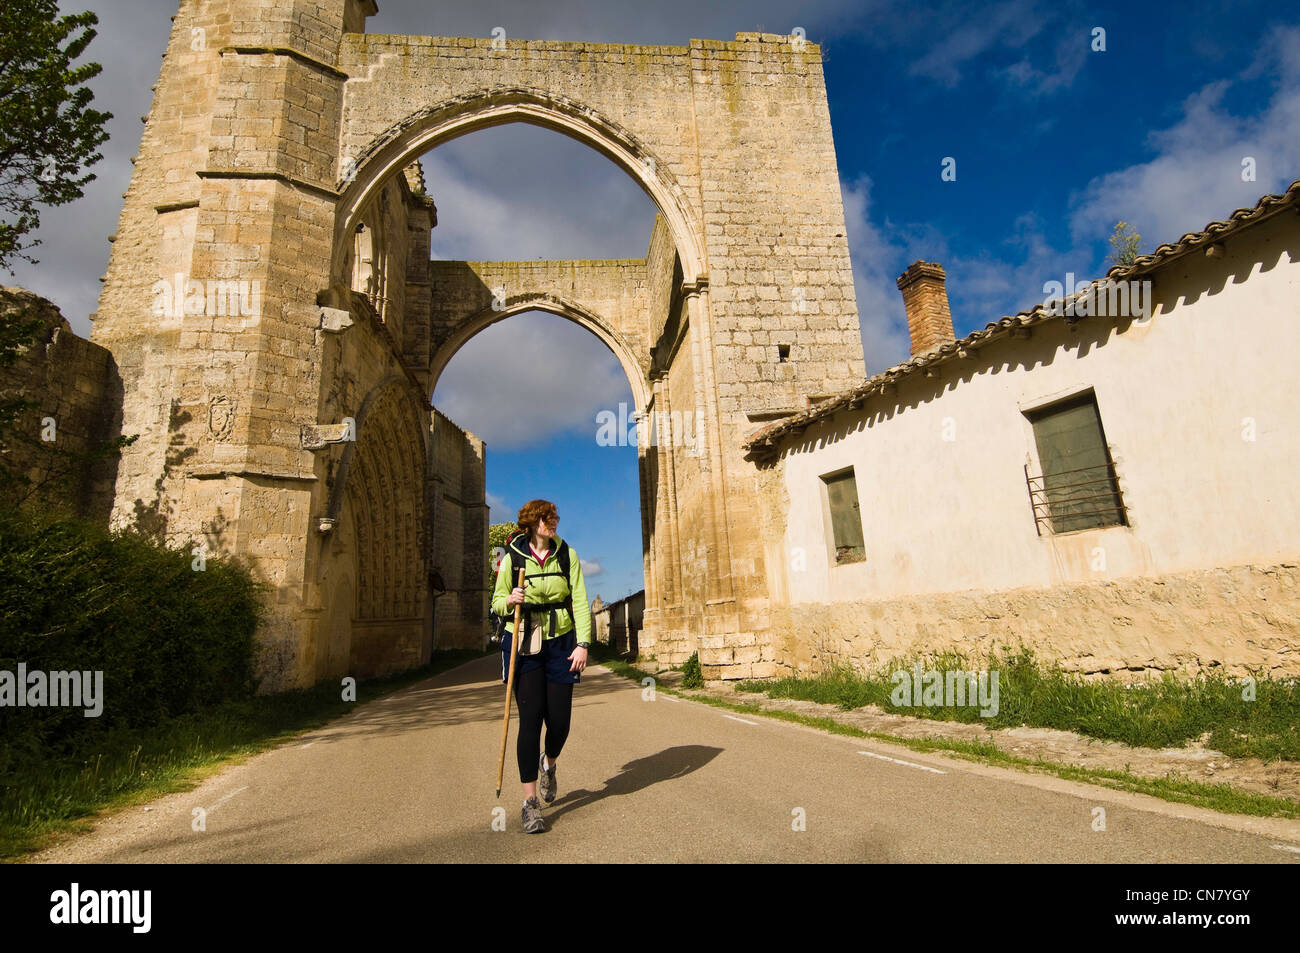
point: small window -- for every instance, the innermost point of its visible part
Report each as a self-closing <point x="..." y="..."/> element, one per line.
<point x="846" y="518"/>
<point x="1077" y="488"/>
<point x="783" y="352"/>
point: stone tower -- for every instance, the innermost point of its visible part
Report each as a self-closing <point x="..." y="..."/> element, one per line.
<point x="279" y="327"/>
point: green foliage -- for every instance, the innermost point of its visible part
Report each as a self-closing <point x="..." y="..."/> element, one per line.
<point x="497" y="534"/>
<point x="168" y="639"/>
<point x="692" y="675"/>
<point x="1124" y="244"/>
<point x="48" y="132"/>
<point x="1157" y="713"/>
<point x="18" y="331"/>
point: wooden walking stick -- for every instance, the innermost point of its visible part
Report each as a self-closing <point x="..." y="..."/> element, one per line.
<point x="510" y="687"/>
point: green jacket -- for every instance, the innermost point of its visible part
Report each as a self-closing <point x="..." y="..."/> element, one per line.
<point x="546" y="589"/>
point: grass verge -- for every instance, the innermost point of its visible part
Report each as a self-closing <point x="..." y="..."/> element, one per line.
<point x="54" y="796"/>
<point x="1216" y="797"/>
<point x="1252" y="717"/>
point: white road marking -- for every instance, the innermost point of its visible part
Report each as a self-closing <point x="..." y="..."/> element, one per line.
<point x="910" y="764"/>
<point x="741" y="720"/>
<point x="227" y="797"/>
<point x="671" y="699"/>
<point x="222" y="800"/>
<point x="1294" y="850"/>
<point x="307" y="745"/>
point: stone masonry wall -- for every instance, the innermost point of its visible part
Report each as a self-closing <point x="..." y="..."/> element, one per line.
<point x="607" y="296"/>
<point x="663" y="277"/>
<point x="1234" y="621"/>
<point x="460" y="532"/>
<point x="234" y="182"/>
<point x="74" y="384"/>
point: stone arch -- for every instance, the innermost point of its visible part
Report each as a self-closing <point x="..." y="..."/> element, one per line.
<point x="381" y="488"/>
<point x="714" y="132"/>
<point x="425" y="129"/>
<point x="378" y="158"/>
<point x="552" y="304"/>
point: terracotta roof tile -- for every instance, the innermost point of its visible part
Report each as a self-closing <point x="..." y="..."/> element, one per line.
<point x="766" y="438"/>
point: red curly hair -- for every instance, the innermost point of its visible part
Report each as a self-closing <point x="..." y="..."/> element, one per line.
<point x="534" y="510"/>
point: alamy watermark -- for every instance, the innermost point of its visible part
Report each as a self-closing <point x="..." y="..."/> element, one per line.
<point x="38" y="689"/>
<point x="1116" y="299"/>
<point x="79" y="905"/>
<point x="660" y="428"/>
<point x="932" y="688"/>
<point x="182" y="297"/>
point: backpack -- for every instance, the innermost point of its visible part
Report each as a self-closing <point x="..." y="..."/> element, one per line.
<point x="517" y="562"/>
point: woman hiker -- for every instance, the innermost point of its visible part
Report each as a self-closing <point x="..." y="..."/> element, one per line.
<point x="554" y="648"/>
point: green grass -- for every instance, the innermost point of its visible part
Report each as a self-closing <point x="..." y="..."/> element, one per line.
<point x="53" y="795"/>
<point x="1168" y="712"/>
<point x="1217" y="797"/>
<point x="601" y="654"/>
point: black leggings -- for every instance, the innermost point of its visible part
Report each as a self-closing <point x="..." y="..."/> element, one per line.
<point x="540" y="700"/>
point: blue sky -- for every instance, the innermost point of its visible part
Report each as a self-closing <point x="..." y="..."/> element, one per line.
<point x="1053" y="143"/>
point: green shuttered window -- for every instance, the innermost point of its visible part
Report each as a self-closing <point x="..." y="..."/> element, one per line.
<point x="1078" y="488"/>
<point x="846" y="518"/>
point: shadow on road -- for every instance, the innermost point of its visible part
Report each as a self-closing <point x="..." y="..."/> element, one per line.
<point x="667" y="765"/>
<point x="465" y="695"/>
<point x="223" y="845"/>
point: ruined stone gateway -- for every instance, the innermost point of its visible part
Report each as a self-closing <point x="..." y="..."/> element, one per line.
<point x="283" y="404"/>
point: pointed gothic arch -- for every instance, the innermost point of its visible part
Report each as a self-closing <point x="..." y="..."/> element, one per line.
<point x="380" y="490"/>
<point x="301" y="125"/>
<point x="405" y="141"/>
<point x="551" y="303"/>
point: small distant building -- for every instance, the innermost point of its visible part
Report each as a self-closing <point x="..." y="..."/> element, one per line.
<point x="617" y="624"/>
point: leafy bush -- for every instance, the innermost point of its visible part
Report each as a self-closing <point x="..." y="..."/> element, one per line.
<point x="692" y="676"/>
<point x="168" y="639"/>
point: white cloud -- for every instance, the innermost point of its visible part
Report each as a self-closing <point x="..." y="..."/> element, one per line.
<point x="982" y="287"/>
<point x="877" y="262"/>
<point x="972" y="33"/>
<point x="1072" y="50"/>
<point x="517" y="192"/>
<point x="590" y="567"/>
<point x="1196" y="174"/>
<point x="1194" y="178"/>
<point x="74" y="248"/>
<point x="568" y="376"/>
<point x="498" y="511"/>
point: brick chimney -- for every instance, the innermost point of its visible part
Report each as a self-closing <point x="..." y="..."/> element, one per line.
<point x="929" y="322"/>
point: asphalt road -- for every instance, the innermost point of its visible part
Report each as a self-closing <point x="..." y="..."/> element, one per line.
<point x="411" y="778"/>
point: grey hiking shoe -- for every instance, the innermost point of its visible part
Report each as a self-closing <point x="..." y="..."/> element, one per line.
<point x="532" y="817"/>
<point x="545" y="781"/>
